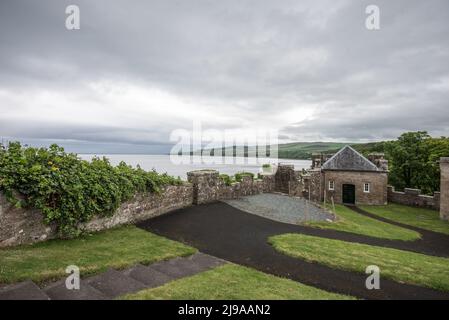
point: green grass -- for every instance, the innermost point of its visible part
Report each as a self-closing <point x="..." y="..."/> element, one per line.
<point x="115" y="248"/>
<point x="233" y="282"/>
<point x="417" y="217"/>
<point x="398" y="265"/>
<point x="351" y="221"/>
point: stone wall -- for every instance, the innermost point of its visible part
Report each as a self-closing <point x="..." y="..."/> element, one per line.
<point x="413" y="197"/>
<point x="20" y="226"/>
<point x="145" y="206"/>
<point x="444" y="188"/>
<point x="298" y="184"/>
<point x="284" y="177"/>
<point x="314" y="185"/>
<point x="378" y="186"/>
<point x="23" y="226"/>
<point x="208" y="187"/>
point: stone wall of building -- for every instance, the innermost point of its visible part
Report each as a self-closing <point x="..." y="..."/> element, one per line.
<point x="24" y="226"/>
<point x="444" y="188"/>
<point x="414" y="198"/>
<point x="378" y="186"/>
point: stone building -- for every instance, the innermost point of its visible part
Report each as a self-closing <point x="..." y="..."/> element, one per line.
<point x="350" y="178"/>
<point x="444" y="188"/>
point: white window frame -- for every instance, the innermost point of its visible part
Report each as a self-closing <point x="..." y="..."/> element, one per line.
<point x="331" y="186"/>
<point x="369" y="187"/>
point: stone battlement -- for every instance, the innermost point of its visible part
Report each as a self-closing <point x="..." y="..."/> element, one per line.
<point x="24" y="226"/>
<point x="414" y="198"/>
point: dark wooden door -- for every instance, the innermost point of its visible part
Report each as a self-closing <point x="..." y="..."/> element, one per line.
<point x="349" y="194"/>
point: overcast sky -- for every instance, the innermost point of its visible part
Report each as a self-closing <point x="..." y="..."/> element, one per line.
<point x="136" y="70"/>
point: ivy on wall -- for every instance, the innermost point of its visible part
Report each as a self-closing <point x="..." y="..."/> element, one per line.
<point x="68" y="190"/>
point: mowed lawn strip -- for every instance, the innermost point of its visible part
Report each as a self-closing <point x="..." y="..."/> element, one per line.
<point x="353" y="222"/>
<point x="115" y="248"/>
<point x="418" y="217"/>
<point x="234" y="282"/>
<point x="398" y="265"/>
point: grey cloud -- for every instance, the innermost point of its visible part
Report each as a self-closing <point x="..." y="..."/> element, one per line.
<point x="257" y="56"/>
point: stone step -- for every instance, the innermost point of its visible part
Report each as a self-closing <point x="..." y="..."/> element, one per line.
<point x="113" y="283"/>
<point x="148" y="276"/>
<point x="206" y="261"/>
<point x="183" y="267"/>
<point x="176" y="268"/>
<point x="58" y="291"/>
<point x="26" y="290"/>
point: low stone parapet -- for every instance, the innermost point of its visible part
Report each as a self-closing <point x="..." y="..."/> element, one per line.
<point x="413" y="197"/>
<point x="24" y="225"/>
<point x="209" y="187"/>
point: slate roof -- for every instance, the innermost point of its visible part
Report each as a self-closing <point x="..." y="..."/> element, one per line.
<point x="348" y="159"/>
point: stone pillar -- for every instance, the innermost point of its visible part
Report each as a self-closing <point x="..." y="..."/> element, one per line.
<point x="268" y="182"/>
<point x="316" y="185"/>
<point x="284" y="174"/>
<point x="444" y="188"/>
<point x="206" y="184"/>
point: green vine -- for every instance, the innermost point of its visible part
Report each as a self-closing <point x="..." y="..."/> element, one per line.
<point x="239" y="176"/>
<point x="68" y="190"/>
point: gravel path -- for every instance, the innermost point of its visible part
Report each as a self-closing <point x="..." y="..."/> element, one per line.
<point x="281" y="208"/>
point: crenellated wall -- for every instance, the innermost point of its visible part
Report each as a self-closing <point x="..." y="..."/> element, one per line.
<point x="208" y="187"/>
<point x="414" y="198"/>
<point x="25" y="226"/>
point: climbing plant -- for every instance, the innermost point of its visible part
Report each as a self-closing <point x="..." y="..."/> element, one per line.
<point x="68" y="190"/>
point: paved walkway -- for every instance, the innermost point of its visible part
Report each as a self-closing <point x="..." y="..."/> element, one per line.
<point x="113" y="283"/>
<point x="223" y="231"/>
<point x="431" y="243"/>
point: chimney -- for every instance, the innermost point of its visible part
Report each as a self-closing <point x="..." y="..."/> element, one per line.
<point x="379" y="160"/>
<point x="316" y="160"/>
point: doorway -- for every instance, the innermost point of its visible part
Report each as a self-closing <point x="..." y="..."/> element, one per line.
<point x="348" y="194"/>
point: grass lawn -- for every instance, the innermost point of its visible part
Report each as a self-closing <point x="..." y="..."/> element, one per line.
<point x="350" y="221"/>
<point x="234" y="282"/>
<point x="398" y="265"/>
<point x="116" y="248"/>
<point x="418" y="217"/>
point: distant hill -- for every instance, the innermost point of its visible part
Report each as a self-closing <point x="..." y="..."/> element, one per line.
<point x="304" y="150"/>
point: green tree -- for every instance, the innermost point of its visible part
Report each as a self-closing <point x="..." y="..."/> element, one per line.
<point x="413" y="160"/>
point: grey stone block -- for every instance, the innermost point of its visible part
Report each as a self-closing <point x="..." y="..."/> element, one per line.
<point x="148" y="276"/>
<point x="206" y="261"/>
<point x="178" y="267"/>
<point x="113" y="283"/>
<point x="26" y="290"/>
<point x="58" y="291"/>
